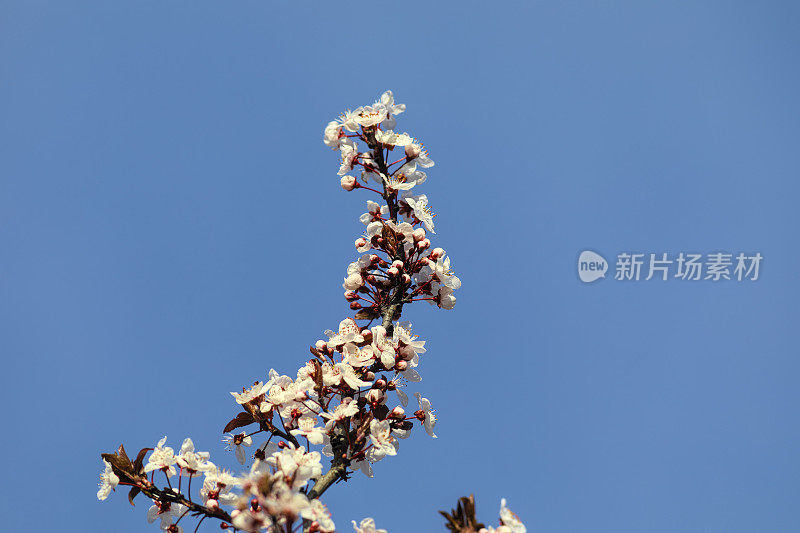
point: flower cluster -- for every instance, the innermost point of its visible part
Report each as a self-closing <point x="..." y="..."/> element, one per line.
<point x="340" y="399"/>
<point x="274" y="492"/>
<point x="348" y="399"/>
<point x="403" y="268"/>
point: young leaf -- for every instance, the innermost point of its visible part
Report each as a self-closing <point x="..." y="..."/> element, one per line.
<point x="241" y="420"/>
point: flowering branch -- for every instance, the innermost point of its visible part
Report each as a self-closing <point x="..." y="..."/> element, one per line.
<point x="339" y="399"/>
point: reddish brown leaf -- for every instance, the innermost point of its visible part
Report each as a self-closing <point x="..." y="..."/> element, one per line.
<point x="389" y="239"/>
<point x="132" y="494"/>
<point x="367" y="313"/>
<point x="241" y="420"/>
<point x="137" y="464"/>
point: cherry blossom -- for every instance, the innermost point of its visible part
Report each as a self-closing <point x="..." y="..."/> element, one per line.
<point x="108" y="480"/>
<point x="162" y="458"/>
<point x="238" y="443"/>
<point x="367" y="526"/>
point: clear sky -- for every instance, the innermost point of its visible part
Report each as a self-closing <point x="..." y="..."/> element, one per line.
<point x="172" y="226"/>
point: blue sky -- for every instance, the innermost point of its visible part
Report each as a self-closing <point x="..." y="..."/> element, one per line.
<point x="172" y="227"/>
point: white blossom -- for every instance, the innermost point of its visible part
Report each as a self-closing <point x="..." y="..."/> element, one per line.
<point x="510" y="520"/>
<point x="217" y="486"/>
<point x="317" y="512"/>
<point x="307" y="427"/>
<point x="238" y="443"/>
<point x="193" y="462"/>
<point x="348" y="332"/>
<point x="392" y="109"/>
<point x="383" y="444"/>
<point x="161" y="458"/>
<point x="367" y="526"/>
<point x="428" y="418"/>
<point x="332" y="134"/>
<point x="421" y="210"/>
<point x="167" y="512"/>
<point x="108" y="480"/>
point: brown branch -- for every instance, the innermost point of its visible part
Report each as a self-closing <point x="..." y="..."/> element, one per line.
<point x="171" y="496"/>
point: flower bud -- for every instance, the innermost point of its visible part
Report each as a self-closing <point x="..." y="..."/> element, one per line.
<point x="436" y="253"/>
<point x="369" y="376"/>
<point x="348" y="183"/>
<point x="353" y="281"/>
<point x="375" y="396"/>
<point x="321" y="345"/>
<point x="398" y="413"/>
<point x="351" y="296"/>
<point x="367" y="334"/>
<point x="401" y="365"/>
<point x="355" y="305"/>
<point x="397" y="264"/>
<point x="406" y="279"/>
<point x="446" y="300"/>
<point x="412" y="150"/>
<point x="423" y="244"/>
<point x="393" y="271"/>
<point x="379" y="384"/>
<point x="418" y="234"/>
<point x="360" y="242"/>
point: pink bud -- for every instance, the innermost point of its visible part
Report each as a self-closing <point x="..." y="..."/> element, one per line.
<point x="360" y="243"/>
<point x="348" y="183"/>
<point x="397" y="264"/>
<point x="424" y="244"/>
<point x="350" y="296"/>
<point x="436" y="253"/>
<point x="418" y="234"/>
<point x="398" y="413"/>
<point x="393" y="271"/>
<point x="353" y="282"/>
<point x="355" y="305"/>
<point x="375" y="396"/>
<point x="367" y="334"/>
<point x="401" y="365"/>
<point x="406" y="279"/>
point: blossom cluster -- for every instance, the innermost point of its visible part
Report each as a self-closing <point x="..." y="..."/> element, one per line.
<point x="404" y="268"/>
<point x="339" y="400"/>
